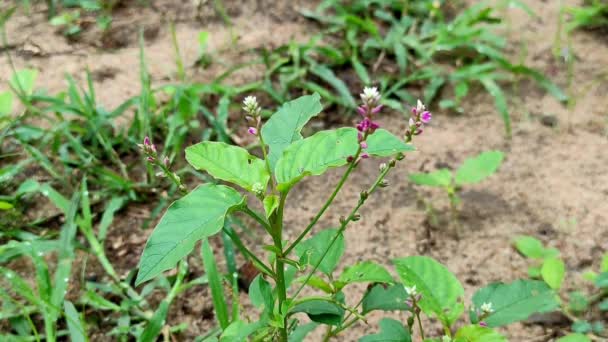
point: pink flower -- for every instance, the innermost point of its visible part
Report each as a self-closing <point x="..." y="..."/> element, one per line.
<point x="377" y="109"/>
<point x="252" y="131"/>
<point x="483" y="324"/>
<point x="364" y="155"/>
<point x="426" y="116"/>
<point x="363" y="145"/>
<point x="151" y="159"/>
<point x="362" y="110"/>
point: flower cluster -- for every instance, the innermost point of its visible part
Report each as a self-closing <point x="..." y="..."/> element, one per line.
<point x="253" y="110"/>
<point x="420" y="117"/>
<point x="151" y="153"/>
<point x="370" y="107"/>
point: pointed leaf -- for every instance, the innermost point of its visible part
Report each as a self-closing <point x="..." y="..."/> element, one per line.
<point x="439" y="178"/>
<point x="440" y="289"/>
<point x="320" y="311"/>
<point x="366" y="271"/>
<point x="476" y="333"/>
<point x="271" y="203"/>
<point x="326" y="149"/>
<point x="574" y="338"/>
<point x="391" y="330"/>
<point x="381" y="297"/>
<point x="285" y="125"/>
<point x="260" y="293"/>
<point x="229" y="163"/>
<point x="23" y="80"/>
<point x="301" y="331"/>
<point x="215" y="284"/>
<point x="553" y="272"/>
<point x="476" y="169"/>
<point x="75" y="326"/>
<point x="515" y="301"/>
<point x="6" y="103"/>
<point x="311" y="250"/>
<point x="197" y="215"/>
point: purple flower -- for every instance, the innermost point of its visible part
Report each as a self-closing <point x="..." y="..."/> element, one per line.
<point x="166" y="161"/>
<point x="151" y="159"/>
<point x="426" y="116"/>
<point x="363" y="145"/>
<point x="362" y="110"/>
<point x="483" y="324"/>
<point x="252" y="130"/>
<point x="147" y="142"/>
<point x="377" y="109"/>
<point x="364" y="155"/>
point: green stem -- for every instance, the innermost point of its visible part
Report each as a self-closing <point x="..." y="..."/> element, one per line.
<point x="248" y="253"/>
<point x="331" y="198"/>
<point x="346" y="221"/>
<point x="420" y="325"/>
<point x="258" y="218"/>
<point x="265" y="154"/>
<point x="276" y="223"/>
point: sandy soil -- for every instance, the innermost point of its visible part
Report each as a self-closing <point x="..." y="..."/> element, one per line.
<point x="553" y="184"/>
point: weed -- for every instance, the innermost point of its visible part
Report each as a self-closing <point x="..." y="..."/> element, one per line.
<point x="579" y="308"/>
<point x="424" y="286"/>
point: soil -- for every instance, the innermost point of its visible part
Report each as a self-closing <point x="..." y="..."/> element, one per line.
<point x="553" y="184"/>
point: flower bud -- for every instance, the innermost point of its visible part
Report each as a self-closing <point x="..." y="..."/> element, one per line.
<point x="364" y="155"/>
<point x="363" y="195"/>
<point x="356" y="217"/>
<point x="363" y="145"/>
<point x="252" y="131"/>
<point x="382" y="167"/>
<point x="383" y="183"/>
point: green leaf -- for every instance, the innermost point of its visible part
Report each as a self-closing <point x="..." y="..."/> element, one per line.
<point x="197" y="215"/>
<point x="577" y="301"/>
<point x="328" y="76"/>
<point x="500" y="101"/>
<point x="6" y="103"/>
<point x="381" y="297"/>
<point x="327" y="149"/>
<point x="299" y="334"/>
<point x="271" y="203"/>
<point x="317" y="283"/>
<point x="320" y="311"/>
<point x="364" y="272"/>
<point x="215" y="283"/>
<point x="574" y="338"/>
<point x="476" y="333"/>
<point x="602" y="280"/>
<point x="75" y="326"/>
<point x="439" y="178"/>
<point x="476" y="169"/>
<point x="156" y="323"/>
<point x="553" y="272"/>
<point x="604" y="266"/>
<point x="5" y="205"/>
<point x="391" y="330"/>
<point x="284" y="126"/>
<point x="515" y="301"/>
<point x="440" y="289"/>
<point x="229" y="163"/>
<point x="260" y="293"/>
<point x="238" y="331"/>
<point x="530" y="247"/>
<point x="311" y="250"/>
<point x="581" y="326"/>
<point x="23" y="80"/>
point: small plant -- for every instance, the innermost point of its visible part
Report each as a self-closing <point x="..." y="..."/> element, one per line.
<point x="583" y="310"/>
<point x="288" y="266"/>
<point x="593" y="14"/>
<point x="473" y="170"/>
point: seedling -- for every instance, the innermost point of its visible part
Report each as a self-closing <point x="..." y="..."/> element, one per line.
<point x="472" y="171"/>
<point x="583" y="310"/>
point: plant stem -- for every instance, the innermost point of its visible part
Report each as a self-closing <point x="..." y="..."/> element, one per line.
<point x="265" y="154"/>
<point x="276" y="223"/>
<point x="249" y="254"/>
<point x="331" y="198"/>
<point x="346" y="221"/>
<point x="420" y="325"/>
<point x="258" y="218"/>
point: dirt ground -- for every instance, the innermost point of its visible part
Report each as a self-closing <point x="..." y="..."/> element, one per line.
<point x="553" y="184"/>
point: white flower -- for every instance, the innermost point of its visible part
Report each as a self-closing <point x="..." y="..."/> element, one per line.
<point x="250" y="101"/>
<point x="370" y="95"/>
<point x="250" y="105"/>
<point x="258" y="188"/>
<point x="486" y="308"/>
<point x="420" y="107"/>
<point x="411" y="291"/>
<point x="446" y="339"/>
<point x="412" y="123"/>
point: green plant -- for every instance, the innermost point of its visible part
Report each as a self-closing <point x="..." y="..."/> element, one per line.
<point x="71" y="20"/>
<point x="473" y="170"/>
<point x="583" y="310"/>
<point x="434" y="51"/>
<point x="287" y="267"/>
<point x="593" y="14"/>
